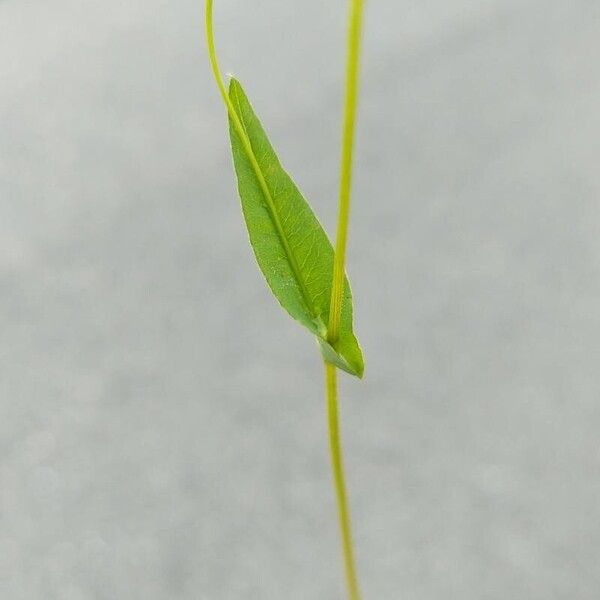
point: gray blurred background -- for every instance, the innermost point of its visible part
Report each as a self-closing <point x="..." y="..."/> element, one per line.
<point x="162" y="424"/>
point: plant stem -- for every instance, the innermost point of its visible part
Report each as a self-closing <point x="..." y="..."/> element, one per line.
<point x="340" y="486"/>
<point x="337" y="290"/>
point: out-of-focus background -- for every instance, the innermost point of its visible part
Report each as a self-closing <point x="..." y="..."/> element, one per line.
<point x="162" y="424"/>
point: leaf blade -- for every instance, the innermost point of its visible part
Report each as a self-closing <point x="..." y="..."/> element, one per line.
<point x="290" y="246"/>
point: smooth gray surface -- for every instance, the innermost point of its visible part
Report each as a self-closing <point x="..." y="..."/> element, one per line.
<point x="162" y="428"/>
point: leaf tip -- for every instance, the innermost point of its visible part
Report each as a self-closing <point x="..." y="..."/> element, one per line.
<point x="358" y="366"/>
<point x="360" y="370"/>
<point x="234" y="84"/>
<point x="351" y="360"/>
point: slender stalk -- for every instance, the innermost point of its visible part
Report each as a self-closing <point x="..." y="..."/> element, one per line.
<point x="337" y="464"/>
<point x="337" y="290"/>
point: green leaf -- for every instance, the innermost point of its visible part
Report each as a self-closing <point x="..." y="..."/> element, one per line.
<point x="291" y="248"/>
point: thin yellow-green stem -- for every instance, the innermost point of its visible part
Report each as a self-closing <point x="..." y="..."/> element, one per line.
<point x="214" y="63"/>
<point x="352" y="64"/>
<point x="337" y="464"/>
<point x="337" y="290"/>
